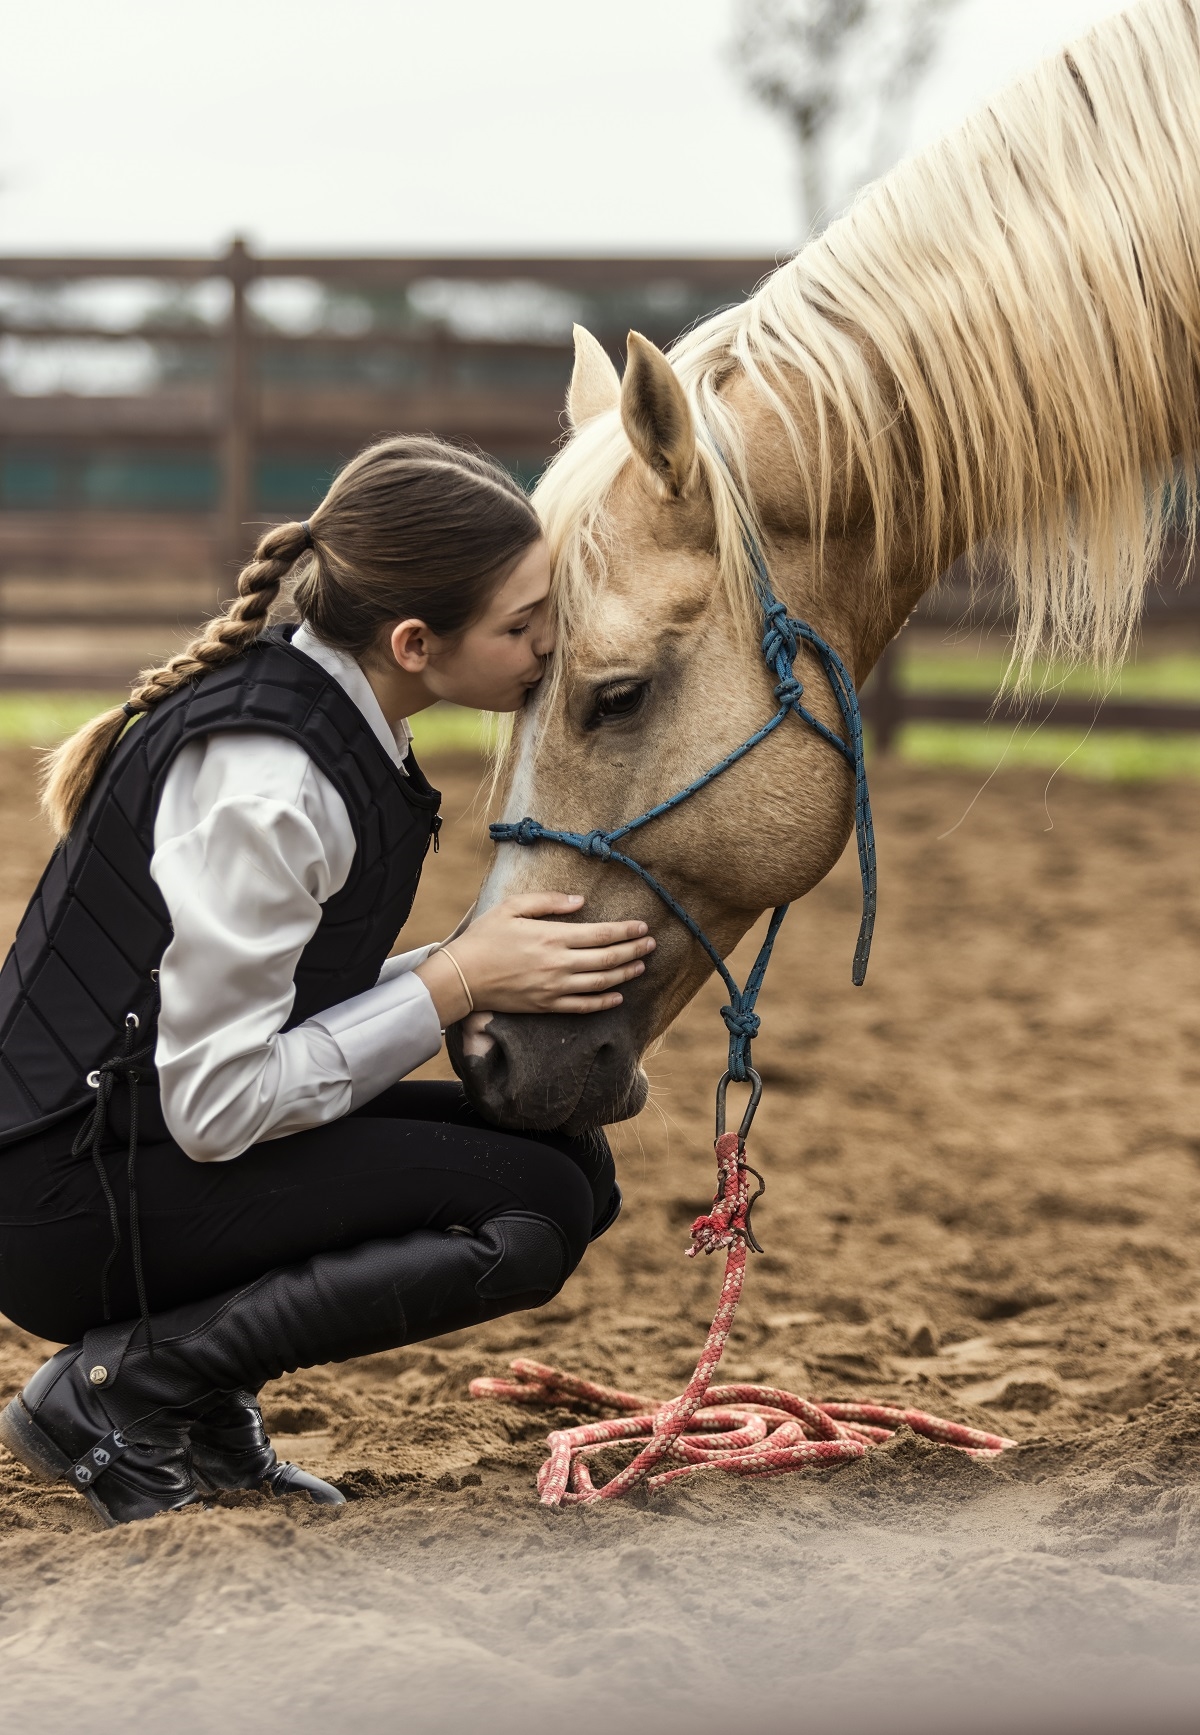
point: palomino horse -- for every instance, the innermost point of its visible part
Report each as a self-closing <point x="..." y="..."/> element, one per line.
<point x="1000" y="344"/>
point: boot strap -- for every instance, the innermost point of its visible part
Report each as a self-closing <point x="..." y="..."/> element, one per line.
<point x="102" y="1455"/>
<point x="104" y="1350"/>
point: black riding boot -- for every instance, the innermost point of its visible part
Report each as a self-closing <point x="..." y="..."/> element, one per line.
<point x="230" y="1449"/>
<point x="61" y="1428"/>
<point x="112" y="1415"/>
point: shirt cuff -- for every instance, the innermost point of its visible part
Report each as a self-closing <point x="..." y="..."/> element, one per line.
<point x="383" y="1034"/>
<point x="405" y="961"/>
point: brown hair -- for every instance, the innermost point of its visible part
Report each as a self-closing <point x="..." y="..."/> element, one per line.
<point x="411" y="528"/>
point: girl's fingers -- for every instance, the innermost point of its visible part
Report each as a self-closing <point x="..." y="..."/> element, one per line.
<point x="585" y="935"/>
<point x="608" y="957"/>
<point x="529" y="905"/>
<point x="542" y="903"/>
<point x="585" y="1003"/>
<point x="602" y="979"/>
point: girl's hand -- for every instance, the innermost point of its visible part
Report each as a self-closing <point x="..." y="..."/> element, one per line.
<point x="514" y="962"/>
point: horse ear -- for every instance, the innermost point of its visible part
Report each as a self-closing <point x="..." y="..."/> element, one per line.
<point x="594" y="386"/>
<point x="657" y="416"/>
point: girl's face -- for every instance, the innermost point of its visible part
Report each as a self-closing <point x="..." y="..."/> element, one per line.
<point x="492" y="666"/>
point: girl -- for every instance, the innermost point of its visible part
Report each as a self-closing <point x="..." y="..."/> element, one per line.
<point x="209" y="1174"/>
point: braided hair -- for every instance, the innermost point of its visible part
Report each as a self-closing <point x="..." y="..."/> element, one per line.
<point x="412" y="528"/>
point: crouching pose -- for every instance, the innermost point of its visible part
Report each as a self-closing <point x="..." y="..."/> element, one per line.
<point x="209" y="1172"/>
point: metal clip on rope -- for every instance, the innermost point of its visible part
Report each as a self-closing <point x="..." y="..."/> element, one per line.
<point x="743" y="1133"/>
<point x="755" y="1083"/>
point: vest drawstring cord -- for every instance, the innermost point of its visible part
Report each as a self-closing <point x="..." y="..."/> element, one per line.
<point x="135" y="1222"/>
<point x="91" y="1133"/>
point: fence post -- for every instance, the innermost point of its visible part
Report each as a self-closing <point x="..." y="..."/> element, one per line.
<point x="237" y="456"/>
<point x="887" y="699"/>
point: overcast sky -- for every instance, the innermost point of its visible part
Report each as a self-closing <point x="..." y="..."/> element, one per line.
<point x="422" y="124"/>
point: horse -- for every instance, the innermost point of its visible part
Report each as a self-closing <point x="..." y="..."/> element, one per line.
<point x="997" y="346"/>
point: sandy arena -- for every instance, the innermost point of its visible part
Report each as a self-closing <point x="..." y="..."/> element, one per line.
<point x="983" y="1199"/>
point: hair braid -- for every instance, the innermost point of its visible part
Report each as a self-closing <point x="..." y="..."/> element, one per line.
<point x="70" y="770"/>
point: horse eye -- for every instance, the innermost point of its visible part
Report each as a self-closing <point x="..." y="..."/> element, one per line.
<point x="614" y="703"/>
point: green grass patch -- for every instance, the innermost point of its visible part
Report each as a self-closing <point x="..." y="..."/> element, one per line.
<point x="928" y="668"/>
<point x="1114" y="755"/>
<point x="1117" y="756"/>
<point x="44" y="719"/>
<point x="451" y="729"/>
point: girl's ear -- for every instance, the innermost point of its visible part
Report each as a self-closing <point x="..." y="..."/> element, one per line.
<point x="594" y="384"/>
<point x="410" y="646"/>
<point x="657" y="415"/>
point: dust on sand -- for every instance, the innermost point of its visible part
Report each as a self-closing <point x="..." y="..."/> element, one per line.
<point x="983" y="1198"/>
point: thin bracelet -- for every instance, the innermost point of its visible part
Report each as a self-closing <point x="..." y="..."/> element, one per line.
<point x="447" y="953"/>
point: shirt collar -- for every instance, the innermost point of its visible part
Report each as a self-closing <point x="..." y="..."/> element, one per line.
<point x="349" y="676"/>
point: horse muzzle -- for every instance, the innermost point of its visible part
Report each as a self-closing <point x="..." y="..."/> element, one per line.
<point x="542" y="1072"/>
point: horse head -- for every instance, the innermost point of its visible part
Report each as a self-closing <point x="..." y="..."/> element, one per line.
<point x="659" y="673"/>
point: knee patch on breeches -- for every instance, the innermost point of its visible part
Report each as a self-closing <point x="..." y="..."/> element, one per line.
<point x="532" y="1257"/>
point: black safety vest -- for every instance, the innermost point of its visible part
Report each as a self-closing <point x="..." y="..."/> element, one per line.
<point x="88" y="948"/>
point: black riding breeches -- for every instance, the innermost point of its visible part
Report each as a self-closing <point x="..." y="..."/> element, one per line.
<point x="416" y="1157"/>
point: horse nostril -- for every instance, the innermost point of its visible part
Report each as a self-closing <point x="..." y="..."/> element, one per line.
<point x="475" y="1039"/>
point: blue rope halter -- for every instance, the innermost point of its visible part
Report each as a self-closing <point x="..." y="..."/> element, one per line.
<point x="781" y="640"/>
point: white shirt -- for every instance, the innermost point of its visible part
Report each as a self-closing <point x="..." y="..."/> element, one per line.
<point x="250" y="840"/>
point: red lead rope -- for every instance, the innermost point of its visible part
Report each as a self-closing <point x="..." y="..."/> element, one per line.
<point x="749" y="1430"/>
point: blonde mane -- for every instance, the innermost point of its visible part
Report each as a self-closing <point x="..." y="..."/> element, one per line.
<point x="1005" y="335"/>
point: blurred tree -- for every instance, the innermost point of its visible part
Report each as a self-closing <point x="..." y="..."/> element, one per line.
<point x="838" y="66"/>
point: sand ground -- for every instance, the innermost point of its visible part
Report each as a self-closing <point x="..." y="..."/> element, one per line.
<point x="983" y="1197"/>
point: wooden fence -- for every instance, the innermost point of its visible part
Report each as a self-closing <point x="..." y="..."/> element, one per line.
<point x="1171" y="619"/>
<point x="248" y="414"/>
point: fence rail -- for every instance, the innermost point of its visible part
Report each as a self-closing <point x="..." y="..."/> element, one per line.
<point x="888" y="706"/>
<point x="90" y="591"/>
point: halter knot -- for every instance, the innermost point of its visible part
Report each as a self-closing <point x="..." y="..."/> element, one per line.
<point x="743" y="1027"/>
<point x="740" y="1022"/>
<point x="789" y="690"/>
<point x="596" y="843"/>
<point x="779" y="640"/>
<point x="525" y="831"/>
